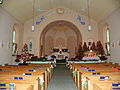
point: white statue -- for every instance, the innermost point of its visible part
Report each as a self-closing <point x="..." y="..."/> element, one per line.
<point x="89" y="45"/>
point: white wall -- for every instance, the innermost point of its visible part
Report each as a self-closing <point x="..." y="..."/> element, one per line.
<point x="6" y="26"/>
<point x="114" y="26"/>
<point x="35" y="36"/>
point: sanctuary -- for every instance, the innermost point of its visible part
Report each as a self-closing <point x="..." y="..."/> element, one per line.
<point x="60" y="53"/>
<point x="46" y="43"/>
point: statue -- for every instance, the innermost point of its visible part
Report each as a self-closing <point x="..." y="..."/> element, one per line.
<point x="89" y="45"/>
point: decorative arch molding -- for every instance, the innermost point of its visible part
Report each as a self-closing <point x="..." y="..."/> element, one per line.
<point x="69" y="24"/>
<point x="16" y="29"/>
<point x="70" y="17"/>
<point x="105" y="27"/>
<point x="106" y="38"/>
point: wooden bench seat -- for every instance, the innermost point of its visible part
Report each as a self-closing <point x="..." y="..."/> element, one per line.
<point x="32" y="82"/>
<point x="90" y="70"/>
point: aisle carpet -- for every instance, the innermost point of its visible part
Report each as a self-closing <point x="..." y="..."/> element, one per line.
<point x="61" y="79"/>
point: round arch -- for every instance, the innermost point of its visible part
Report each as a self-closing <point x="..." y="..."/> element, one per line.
<point x="48" y="26"/>
<point x="15" y="37"/>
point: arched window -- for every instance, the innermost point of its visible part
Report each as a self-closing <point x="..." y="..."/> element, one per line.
<point x="14" y="44"/>
<point x="107" y="40"/>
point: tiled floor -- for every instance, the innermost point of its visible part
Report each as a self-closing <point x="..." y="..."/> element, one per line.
<point x="61" y="79"/>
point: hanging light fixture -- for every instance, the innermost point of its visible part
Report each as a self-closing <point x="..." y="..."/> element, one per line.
<point x="89" y="23"/>
<point x="33" y="21"/>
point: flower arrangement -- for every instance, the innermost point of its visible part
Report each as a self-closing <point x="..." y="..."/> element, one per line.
<point x="24" y="56"/>
<point x="96" y="47"/>
<point x="18" y="58"/>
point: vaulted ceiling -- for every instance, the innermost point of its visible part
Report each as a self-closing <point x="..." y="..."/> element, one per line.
<point x="23" y="9"/>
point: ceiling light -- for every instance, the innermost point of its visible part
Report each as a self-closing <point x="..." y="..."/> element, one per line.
<point x="33" y="28"/>
<point x="89" y="27"/>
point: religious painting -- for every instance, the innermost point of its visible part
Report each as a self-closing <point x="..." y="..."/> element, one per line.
<point x="30" y="46"/>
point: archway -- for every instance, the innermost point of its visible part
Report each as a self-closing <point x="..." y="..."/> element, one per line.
<point x="15" y="38"/>
<point x="65" y="33"/>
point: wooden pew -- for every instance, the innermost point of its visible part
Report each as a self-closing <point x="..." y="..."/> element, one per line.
<point x="106" y="85"/>
<point x="28" y="79"/>
<point x="19" y="70"/>
<point x="82" y="71"/>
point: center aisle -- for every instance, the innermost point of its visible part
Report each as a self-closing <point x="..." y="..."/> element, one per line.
<point x="61" y="79"/>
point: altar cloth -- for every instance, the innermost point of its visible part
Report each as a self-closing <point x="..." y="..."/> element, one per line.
<point x="90" y="58"/>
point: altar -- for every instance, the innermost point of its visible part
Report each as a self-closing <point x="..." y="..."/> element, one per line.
<point x="91" y="58"/>
<point x="61" y="54"/>
<point x="90" y="55"/>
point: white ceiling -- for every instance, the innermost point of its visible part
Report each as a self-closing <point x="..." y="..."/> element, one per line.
<point x="23" y="9"/>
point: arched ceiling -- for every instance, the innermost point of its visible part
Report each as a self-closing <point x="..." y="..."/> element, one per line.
<point x="23" y="9"/>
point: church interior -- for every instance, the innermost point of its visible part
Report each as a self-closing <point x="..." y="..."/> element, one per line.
<point x="60" y="45"/>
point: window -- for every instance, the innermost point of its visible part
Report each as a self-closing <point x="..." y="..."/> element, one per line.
<point x="15" y="39"/>
<point x="14" y="44"/>
<point x="14" y="36"/>
<point x="107" y="41"/>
